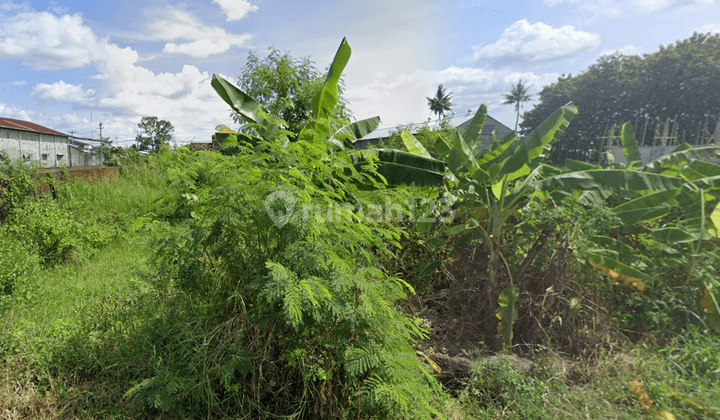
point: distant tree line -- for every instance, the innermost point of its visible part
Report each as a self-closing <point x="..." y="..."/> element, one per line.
<point x="677" y="82"/>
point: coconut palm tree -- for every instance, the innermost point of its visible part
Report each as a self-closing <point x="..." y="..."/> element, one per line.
<point x="441" y="102"/>
<point x="518" y="95"/>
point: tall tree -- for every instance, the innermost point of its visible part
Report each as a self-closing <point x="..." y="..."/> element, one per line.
<point x="155" y="133"/>
<point x="677" y="82"/>
<point x="285" y="87"/>
<point x="518" y="94"/>
<point x="441" y="102"/>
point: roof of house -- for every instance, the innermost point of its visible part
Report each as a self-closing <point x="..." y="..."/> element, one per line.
<point x="455" y="121"/>
<point x="27" y="126"/>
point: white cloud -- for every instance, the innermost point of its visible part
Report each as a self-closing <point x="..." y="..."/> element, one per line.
<point x="236" y="9"/>
<point x="203" y="48"/>
<point x="63" y="92"/>
<point x="402" y="99"/>
<point x="15" y="112"/>
<point x="44" y="41"/>
<point x="121" y="91"/>
<point x="713" y="28"/>
<point x="538" y="43"/>
<point x="625" y="50"/>
<point x="203" y="40"/>
<point x="16" y="83"/>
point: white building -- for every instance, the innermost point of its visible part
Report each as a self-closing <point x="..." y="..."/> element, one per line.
<point x="34" y="143"/>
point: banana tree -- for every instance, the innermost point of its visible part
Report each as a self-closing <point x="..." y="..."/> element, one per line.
<point x="682" y="184"/>
<point x="322" y="104"/>
<point x="491" y="186"/>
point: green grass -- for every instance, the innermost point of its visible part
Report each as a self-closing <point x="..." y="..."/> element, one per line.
<point x="49" y="305"/>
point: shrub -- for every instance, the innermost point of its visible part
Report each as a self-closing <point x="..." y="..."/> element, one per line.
<point x="16" y="262"/>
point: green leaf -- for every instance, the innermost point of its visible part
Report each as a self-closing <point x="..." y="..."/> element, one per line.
<point x="413" y="145"/>
<point x="526" y="150"/>
<point x="410" y="159"/>
<point x="462" y="157"/>
<point x="715" y="218"/>
<point x="404" y="168"/>
<point x="625" y="252"/>
<point x="239" y="101"/>
<point x="443" y="145"/>
<point x="356" y="130"/>
<point x="398" y="174"/>
<point x="609" y="179"/>
<point x="629" y="146"/>
<point x="323" y="103"/>
<point x="489" y="158"/>
<point x="427" y="269"/>
<point x="472" y="134"/>
<point x="507" y="314"/>
<point x="701" y="169"/>
<point x="576" y="165"/>
<point x="672" y="163"/>
<point x="646" y="208"/>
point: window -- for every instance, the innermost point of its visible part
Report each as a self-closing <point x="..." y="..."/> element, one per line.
<point x="44" y="156"/>
<point x="59" y="157"/>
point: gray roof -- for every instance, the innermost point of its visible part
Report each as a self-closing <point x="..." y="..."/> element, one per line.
<point x="382" y="133"/>
<point x="461" y="121"/>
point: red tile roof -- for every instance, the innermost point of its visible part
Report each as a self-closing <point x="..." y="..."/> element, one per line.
<point x="27" y="126"/>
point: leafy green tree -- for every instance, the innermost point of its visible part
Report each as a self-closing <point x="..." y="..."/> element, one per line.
<point x="676" y="82"/>
<point x="155" y="133"/>
<point x="518" y="94"/>
<point x="284" y="86"/>
<point x="441" y="102"/>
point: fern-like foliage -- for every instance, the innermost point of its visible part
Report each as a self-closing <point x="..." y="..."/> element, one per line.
<point x="301" y="317"/>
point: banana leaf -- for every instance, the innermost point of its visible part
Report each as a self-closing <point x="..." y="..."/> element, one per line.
<point x="647" y="207"/>
<point x="239" y="101"/>
<point x="609" y="179"/>
<point x="629" y="146"/>
<point x="507" y="314"/>
<point x="324" y="101"/>
<point x="472" y="134"/>
<point x="400" y="167"/>
<point x="398" y="174"/>
<point x="576" y="165"/>
<point x="413" y="145"/>
<point x="528" y="149"/>
<point x="697" y="169"/>
<point x="356" y="130"/>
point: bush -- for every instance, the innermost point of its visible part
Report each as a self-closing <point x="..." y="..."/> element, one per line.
<point x="55" y="232"/>
<point x="18" y="184"/>
<point x="303" y="319"/>
<point x="16" y="262"/>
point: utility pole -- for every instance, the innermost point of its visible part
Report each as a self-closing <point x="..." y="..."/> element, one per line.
<point x="69" y="150"/>
<point x="102" y="160"/>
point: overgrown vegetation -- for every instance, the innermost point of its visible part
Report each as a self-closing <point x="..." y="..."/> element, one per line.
<point x="676" y="82"/>
<point x="306" y="279"/>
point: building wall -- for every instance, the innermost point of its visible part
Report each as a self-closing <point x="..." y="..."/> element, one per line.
<point x="48" y="150"/>
<point x="82" y="158"/>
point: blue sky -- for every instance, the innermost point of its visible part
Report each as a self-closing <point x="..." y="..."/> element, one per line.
<point x="69" y="65"/>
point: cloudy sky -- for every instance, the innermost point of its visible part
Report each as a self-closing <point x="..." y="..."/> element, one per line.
<point x="70" y="65"/>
